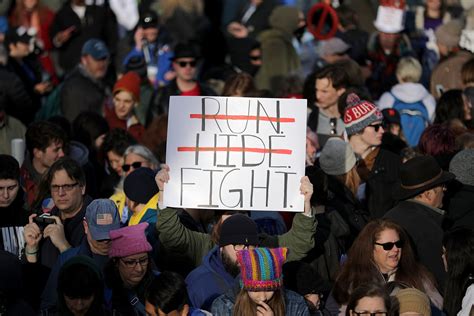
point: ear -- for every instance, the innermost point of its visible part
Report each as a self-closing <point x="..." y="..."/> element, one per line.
<point x="86" y="227"/>
<point x="340" y="91"/>
<point x="37" y="153"/>
<point x="83" y="189"/>
<point x="185" y="310"/>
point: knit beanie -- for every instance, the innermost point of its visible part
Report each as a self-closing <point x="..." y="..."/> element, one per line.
<point x="448" y="34"/>
<point x="413" y="300"/>
<point x="261" y="268"/>
<point x="359" y="114"/>
<point x="140" y="185"/>
<point x="130" y="82"/>
<point x="129" y="240"/>
<point x="462" y="165"/>
<point x="337" y="157"/>
<point x="238" y="229"/>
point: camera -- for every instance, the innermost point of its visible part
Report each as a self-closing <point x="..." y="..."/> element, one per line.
<point x="43" y="220"/>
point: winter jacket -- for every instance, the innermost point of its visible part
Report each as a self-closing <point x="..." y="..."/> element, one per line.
<point x="176" y="238"/>
<point x="409" y="93"/>
<point x="131" y="125"/>
<point x="49" y="298"/>
<point x="81" y="93"/>
<point x="460" y="211"/>
<point x="98" y="22"/>
<point x="29" y="180"/>
<point x="423" y="225"/>
<point x="381" y="182"/>
<point x="447" y="74"/>
<point x="18" y="103"/>
<point x="279" y="56"/>
<point x="209" y="280"/>
<point x="295" y="304"/>
<point x="11" y="129"/>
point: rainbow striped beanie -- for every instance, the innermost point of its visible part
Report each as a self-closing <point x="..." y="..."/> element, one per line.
<point x="261" y="268"/>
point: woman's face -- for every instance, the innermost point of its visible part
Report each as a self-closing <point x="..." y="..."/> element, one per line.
<point x="387" y="260"/>
<point x="370" y="305"/>
<point x="263" y="296"/>
<point x="433" y="4"/>
<point x="467" y="109"/>
<point x="30" y="4"/>
<point x="132" y="268"/>
<point x="116" y="161"/>
<point x="123" y="104"/>
<point x="78" y="306"/>
<point x="372" y="134"/>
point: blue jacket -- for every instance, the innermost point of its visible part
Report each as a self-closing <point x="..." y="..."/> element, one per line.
<point x="295" y="304"/>
<point x="209" y="280"/>
<point x="49" y="298"/>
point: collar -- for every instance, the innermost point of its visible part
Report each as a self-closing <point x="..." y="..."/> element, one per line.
<point x="137" y="217"/>
<point x="434" y="209"/>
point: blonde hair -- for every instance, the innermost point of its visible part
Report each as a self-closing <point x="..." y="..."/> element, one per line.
<point x="408" y="70"/>
<point x="167" y="7"/>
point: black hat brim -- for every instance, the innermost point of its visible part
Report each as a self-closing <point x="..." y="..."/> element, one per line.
<point x="404" y="194"/>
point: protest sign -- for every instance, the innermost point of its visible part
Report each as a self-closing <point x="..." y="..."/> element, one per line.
<point x="236" y="153"/>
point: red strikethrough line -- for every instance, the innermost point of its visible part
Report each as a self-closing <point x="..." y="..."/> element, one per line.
<point x="237" y="149"/>
<point x="242" y="118"/>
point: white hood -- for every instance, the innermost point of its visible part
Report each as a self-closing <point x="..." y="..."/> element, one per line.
<point x="410" y="92"/>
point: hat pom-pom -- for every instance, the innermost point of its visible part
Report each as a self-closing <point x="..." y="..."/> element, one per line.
<point x="352" y="99"/>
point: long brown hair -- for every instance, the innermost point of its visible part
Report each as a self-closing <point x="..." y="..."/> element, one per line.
<point x="20" y="14"/>
<point x="245" y="306"/>
<point x="351" y="180"/>
<point x="360" y="267"/>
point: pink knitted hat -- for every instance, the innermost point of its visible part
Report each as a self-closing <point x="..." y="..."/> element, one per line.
<point x="129" y="240"/>
<point x="261" y="268"/>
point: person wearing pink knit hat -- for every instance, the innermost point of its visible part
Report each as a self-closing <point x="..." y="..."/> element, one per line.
<point x="129" y="270"/>
<point x="377" y="168"/>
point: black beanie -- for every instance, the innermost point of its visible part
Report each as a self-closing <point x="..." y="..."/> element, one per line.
<point x="238" y="229"/>
<point x="140" y="186"/>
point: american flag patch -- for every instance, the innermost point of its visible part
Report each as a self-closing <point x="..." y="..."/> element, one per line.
<point x="104" y="219"/>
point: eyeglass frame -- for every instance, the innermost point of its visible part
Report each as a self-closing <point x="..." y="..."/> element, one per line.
<point x="376" y="127"/>
<point x="370" y="313"/>
<point x="134" y="165"/>
<point x="132" y="263"/>
<point x="66" y="187"/>
<point x="399" y="244"/>
<point x="184" y="64"/>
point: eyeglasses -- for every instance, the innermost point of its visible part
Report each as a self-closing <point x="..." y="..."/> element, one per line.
<point x="242" y="247"/>
<point x="66" y="187"/>
<point x="370" y="313"/>
<point x="389" y="245"/>
<point x="255" y="57"/>
<point x="333" y="125"/>
<point x="133" y="262"/>
<point x="183" y="64"/>
<point x="134" y="165"/>
<point x="376" y="126"/>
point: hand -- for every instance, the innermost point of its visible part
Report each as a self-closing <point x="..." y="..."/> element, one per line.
<point x="237" y="30"/>
<point x="306" y="188"/>
<point x="138" y="37"/>
<point x="32" y="234"/>
<point x="43" y="87"/>
<point x="264" y="310"/>
<point x="162" y="177"/>
<point x="63" y="36"/>
<point x="55" y="232"/>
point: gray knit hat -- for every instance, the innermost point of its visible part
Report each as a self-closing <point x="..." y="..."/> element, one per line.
<point x="337" y="157"/>
<point x="462" y="165"/>
<point x="359" y="114"/>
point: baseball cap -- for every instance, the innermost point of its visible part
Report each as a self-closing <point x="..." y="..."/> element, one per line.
<point x="149" y="19"/>
<point x="102" y="216"/>
<point x="95" y="48"/>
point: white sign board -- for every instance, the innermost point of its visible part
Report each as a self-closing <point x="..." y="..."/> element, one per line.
<point x="236" y="153"/>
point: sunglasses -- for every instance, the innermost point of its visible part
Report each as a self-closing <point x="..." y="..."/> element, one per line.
<point x="376" y="126"/>
<point x="255" y="57"/>
<point x="333" y="125"/>
<point x="183" y="64"/>
<point x="389" y="245"/>
<point x="134" y="165"/>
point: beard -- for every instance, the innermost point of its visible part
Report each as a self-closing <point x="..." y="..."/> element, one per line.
<point x="231" y="267"/>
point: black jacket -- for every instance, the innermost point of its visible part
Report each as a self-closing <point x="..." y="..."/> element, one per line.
<point x="81" y="93"/>
<point x="161" y="101"/>
<point x="460" y="211"/>
<point x="12" y="220"/>
<point x="19" y="102"/>
<point x="98" y="22"/>
<point x="383" y="179"/>
<point x="424" y="226"/>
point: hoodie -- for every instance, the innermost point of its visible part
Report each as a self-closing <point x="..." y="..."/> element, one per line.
<point x="409" y="93"/>
<point x="209" y="280"/>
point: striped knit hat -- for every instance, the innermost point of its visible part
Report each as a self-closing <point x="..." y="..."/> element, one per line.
<point x="261" y="268"/>
<point x="359" y="114"/>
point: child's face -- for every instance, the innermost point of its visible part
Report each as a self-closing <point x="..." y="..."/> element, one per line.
<point x="258" y="297"/>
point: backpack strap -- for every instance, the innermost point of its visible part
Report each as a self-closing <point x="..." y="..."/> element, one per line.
<point x="135" y="302"/>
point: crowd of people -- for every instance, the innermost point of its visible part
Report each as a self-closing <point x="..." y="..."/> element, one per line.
<point x="388" y="220"/>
